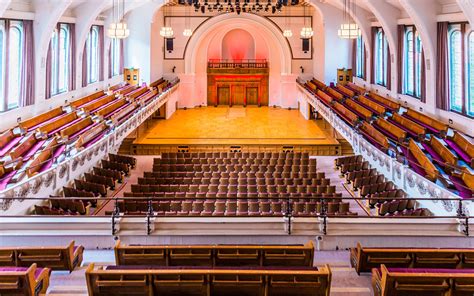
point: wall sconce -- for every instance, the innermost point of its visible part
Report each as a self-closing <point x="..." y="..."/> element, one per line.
<point x="173" y="69"/>
<point x="302" y="69"/>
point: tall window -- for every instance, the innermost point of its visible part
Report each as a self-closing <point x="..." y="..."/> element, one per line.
<point x="360" y="57"/>
<point x="455" y="68"/>
<point x="92" y="46"/>
<point x="470" y="74"/>
<point x="381" y="57"/>
<point x="115" y="56"/>
<point x="15" y="59"/>
<point x="60" y="49"/>
<point x="412" y="62"/>
<point x="2" y="66"/>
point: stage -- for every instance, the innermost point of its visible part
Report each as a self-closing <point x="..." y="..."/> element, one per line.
<point x="246" y="128"/>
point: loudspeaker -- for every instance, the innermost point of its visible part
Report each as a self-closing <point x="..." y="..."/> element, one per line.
<point x="169" y="44"/>
<point x="305" y="45"/>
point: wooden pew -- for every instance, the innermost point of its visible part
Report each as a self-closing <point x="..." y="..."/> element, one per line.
<point x="345" y="113"/>
<point x="98" y="104"/>
<point x="364" y="259"/>
<point x="364" y="113"/>
<point x="463" y="147"/>
<point x="311" y="86"/>
<point x="54" y="257"/>
<point x="377" y="108"/>
<point x="36" y="164"/>
<point x="56" y="124"/>
<point x="334" y="93"/>
<point x="325" y="98"/>
<point x="7" y="141"/>
<point x="413" y="128"/>
<point x="90" y="136"/>
<point x="155" y="83"/>
<point x="393" y="281"/>
<point x="28" y="281"/>
<point x="374" y="136"/>
<point x="121" y="114"/>
<point x="41" y="119"/>
<point x="105" y="112"/>
<point x="24" y="147"/>
<point x="385" y="102"/>
<point x="430" y="171"/>
<point x="137" y="93"/>
<point x="468" y="180"/>
<point x="319" y="84"/>
<point x="145" y="99"/>
<point x="161" y="87"/>
<point x="82" y="101"/>
<point x="127" y="89"/>
<point x="446" y="155"/>
<point x="116" y="280"/>
<point x="396" y="133"/>
<point x="215" y="255"/>
<point x="116" y="87"/>
<point x="348" y="92"/>
<point x="356" y="88"/>
<point x="71" y="131"/>
<point x="428" y="122"/>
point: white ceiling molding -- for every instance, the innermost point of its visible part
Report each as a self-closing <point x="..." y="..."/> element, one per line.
<point x="3" y="6"/>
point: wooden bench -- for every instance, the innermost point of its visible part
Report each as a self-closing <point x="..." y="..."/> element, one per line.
<point x="311" y="86"/>
<point x="155" y="83"/>
<point x="117" y="280"/>
<point x="107" y="111"/>
<point x="324" y="97"/>
<point x="413" y="129"/>
<point x="55" y="257"/>
<point x="26" y="148"/>
<point x="356" y="88"/>
<point x="145" y="99"/>
<point x="376" y="108"/>
<point x="215" y="255"/>
<point x="319" y="84"/>
<point x="387" y="103"/>
<point x="82" y="101"/>
<point x="403" y="281"/>
<point x="126" y="89"/>
<point x="462" y="146"/>
<point x="58" y="124"/>
<point x="74" y="130"/>
<point x="349" y="116"/>
<point x="93" y="107"/>
<point x="28" y="281"/>
<point x="431" y="124"/>
<point x="138" y="92"/>
<point x="92" y="135"/>
<point x="391" y="130"/>
<point x="348" y="92"/>
<point x="335" y="94"/>
<point x="41" y="160"/>
<point x="8" y="140"/>
<point x="441" y="153"/>
<point x="122" y="114"/>
<point x="423" y="165"/>
<point x="364" y="259"/>
<point x="116" y="87"/>
<point x="162" y="86"/>
<point x="468" y="179"/>
<point x="375" y="137"/>
<point x="363" y="112"/>
<point x="41" y="119"/>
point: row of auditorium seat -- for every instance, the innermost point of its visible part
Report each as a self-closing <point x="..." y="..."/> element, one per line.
<point x="224" y="155"/>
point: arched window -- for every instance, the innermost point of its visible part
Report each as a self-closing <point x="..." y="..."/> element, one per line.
<point x="381" y="58"/>
<point x="60" y="48"/>
<point x="412" y="62"/>
<point x="409" y="62"/>
<point x="115" y="56"/>
<point x="15" y="61"/>
<point x="455" y="69"/>
<point x="93" y="55"/>
<point x="360" y="57"/>
<point x="470" y="76"/>
<point x="2" y="66"/>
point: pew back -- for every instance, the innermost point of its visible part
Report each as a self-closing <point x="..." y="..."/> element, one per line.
<point x="412" y="126"/>
<point x="441" y="126"/>
<point x="393" y="129"/>
<point x="321" y="85"/>
<point x="36" y="120"/>
<point x="28" y="282"/>
<point x="349" y="115"/>
<point x="324" y="96"/>
<point x="464" y="143"/>
<point x="380" y="138"/>
<point x="335" y="94"/>
<point x="97" y="104"/>
<point x="41" y="158"/>
<point x="431" y="172"/>
<point x="47" y="128"/>
<point x="348" y="92"/>
<point x="374" y="106"/>
<point x="367" y="114"/>
<point x="387" y="102"/>
<point x="82" y="101"/>
<point x="70" y="130"/>
<point x="443" y="151"/>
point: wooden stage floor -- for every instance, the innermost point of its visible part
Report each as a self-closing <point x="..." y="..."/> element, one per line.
<point x="236" y="126"/>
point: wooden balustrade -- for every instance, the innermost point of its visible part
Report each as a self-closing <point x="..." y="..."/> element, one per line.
<point x="90" y="107"/>
<point x="408" y="124"/>
<point x="433" y="124"/>
<point x="385" y="101"/>
<point x="399" y="133"/>
<point x="345" y="90"/>
<point x="82" y="101"/>
<point x="367" y="114"/>
<point x="46" y="129"/>
<point x="379" y="109"/>
<point x="379" y="138"/>
<point x="431" y="172"/>
<point x="39" y="119"/>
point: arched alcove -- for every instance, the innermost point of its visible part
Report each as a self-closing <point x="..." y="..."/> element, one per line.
<point x="238" y="44"/>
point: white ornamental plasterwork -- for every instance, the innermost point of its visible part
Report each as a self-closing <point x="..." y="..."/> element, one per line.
<point x="422" y="186"/>
<point x="448" y="205"/>
<point x="411" y="179"/>
<point x="36" y="185"/>
<point x="48" y="178"/>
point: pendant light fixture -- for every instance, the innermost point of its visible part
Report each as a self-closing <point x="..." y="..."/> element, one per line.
<point x="287" y="33"/>
<point x="187" y="24"/>
<point x="349" y="29"/>
<point x="306" y="31"/>
<point x="167" y="30"/>
<point x="118" y="28"/>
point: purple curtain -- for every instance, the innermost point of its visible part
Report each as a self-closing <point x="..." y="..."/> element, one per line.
<point x="401" y="35"/>
<point x="423" y="77"/>
<point x="48" y="72"/>
<point x="109" y="54"/>
<point x="84" y="66"/>
<point x="365" y="62"/>
<point x="7" y="64"/>
<point x="442" y="77"/>
<point x="389" y="69"/>
<point x="72" y="57"/>
<point x="122" y="57"/>
<point x="101" y="53"/>
<point x="27" y="83"/>
<point x="372" y="56"/>
<point x="354" y="57"/>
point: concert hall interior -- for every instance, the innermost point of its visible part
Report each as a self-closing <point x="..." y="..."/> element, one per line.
<point x="236" y="147"/>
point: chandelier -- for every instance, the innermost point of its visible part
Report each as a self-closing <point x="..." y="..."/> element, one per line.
<point x="187" y="24"/>
<point x="306" y="31"/>
<point x="167" y="30"/>
<point x="287" y="33"/>
<point x="187" y="32"/>
<point x="118" y="29"/>
<point x="349" y="29"/>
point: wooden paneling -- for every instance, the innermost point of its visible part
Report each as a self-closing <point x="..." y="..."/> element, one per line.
<point x="252" y="95"/>
<point x="238" y="95"/>
<point x="223" y="95"/>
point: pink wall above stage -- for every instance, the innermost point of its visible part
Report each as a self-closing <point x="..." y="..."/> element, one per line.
<point x="238" y="44"/>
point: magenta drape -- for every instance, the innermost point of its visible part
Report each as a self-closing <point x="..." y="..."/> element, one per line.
<point x="389" y="68"/>
<point x="109" y="55"/>
<point x="72" y="57"/>
<point x="48" y="72"/>
<point x="372" y="55"/>
<point x="27" y="83"/>
<point x="101" y="50"/>
<point x="401" y="35"/>
<point x="442" y="75"/>
<point x="7" y="64"/>
<point x="84" y="66"/>
<point x="122" y="57"/>
<point x="354" y="57"/>
<point x="423" y="77"/>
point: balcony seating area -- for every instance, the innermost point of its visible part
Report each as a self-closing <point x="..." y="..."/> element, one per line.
<point x="28" y="281"/>
<point x="67" y="129"/>
<point x="429" y="146"/>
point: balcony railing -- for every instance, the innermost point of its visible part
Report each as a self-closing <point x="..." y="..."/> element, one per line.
<point x="236" y="64"/>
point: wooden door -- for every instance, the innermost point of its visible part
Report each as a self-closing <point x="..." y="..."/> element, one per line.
<point x="223" y="95"/>
<point x="252" y="95"/>
<point x="238" y="95"/>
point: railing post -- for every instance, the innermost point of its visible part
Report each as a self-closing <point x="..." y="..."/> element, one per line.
<point x="324" y="214"/>
<point x="115" y="213"/>
<point x="288" y="214"/>
<point x="149" y="213"/>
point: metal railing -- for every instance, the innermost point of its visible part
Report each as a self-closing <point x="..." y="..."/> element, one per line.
<point x="234" y="64"/>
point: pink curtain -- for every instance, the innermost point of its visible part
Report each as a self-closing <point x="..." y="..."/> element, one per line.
<point x="354" y="57"/>
<point x="109" y="54"/>
<point x="389" y="69"/>
<point x="372" y="56"/>
<point x="401" y="36"/>
<point x="122" y="57"/>
<point x="442" y="77"/>
<point x="423" y="77"/>
<point x="101" y="53"/>
<point x="27" y="83"/>
<point x="72" y="57"/>
<point x="365" y="63"/>
<point x="48" y="72"/>
<point x="84" y="66"/>
<point x="7" y="64"/>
